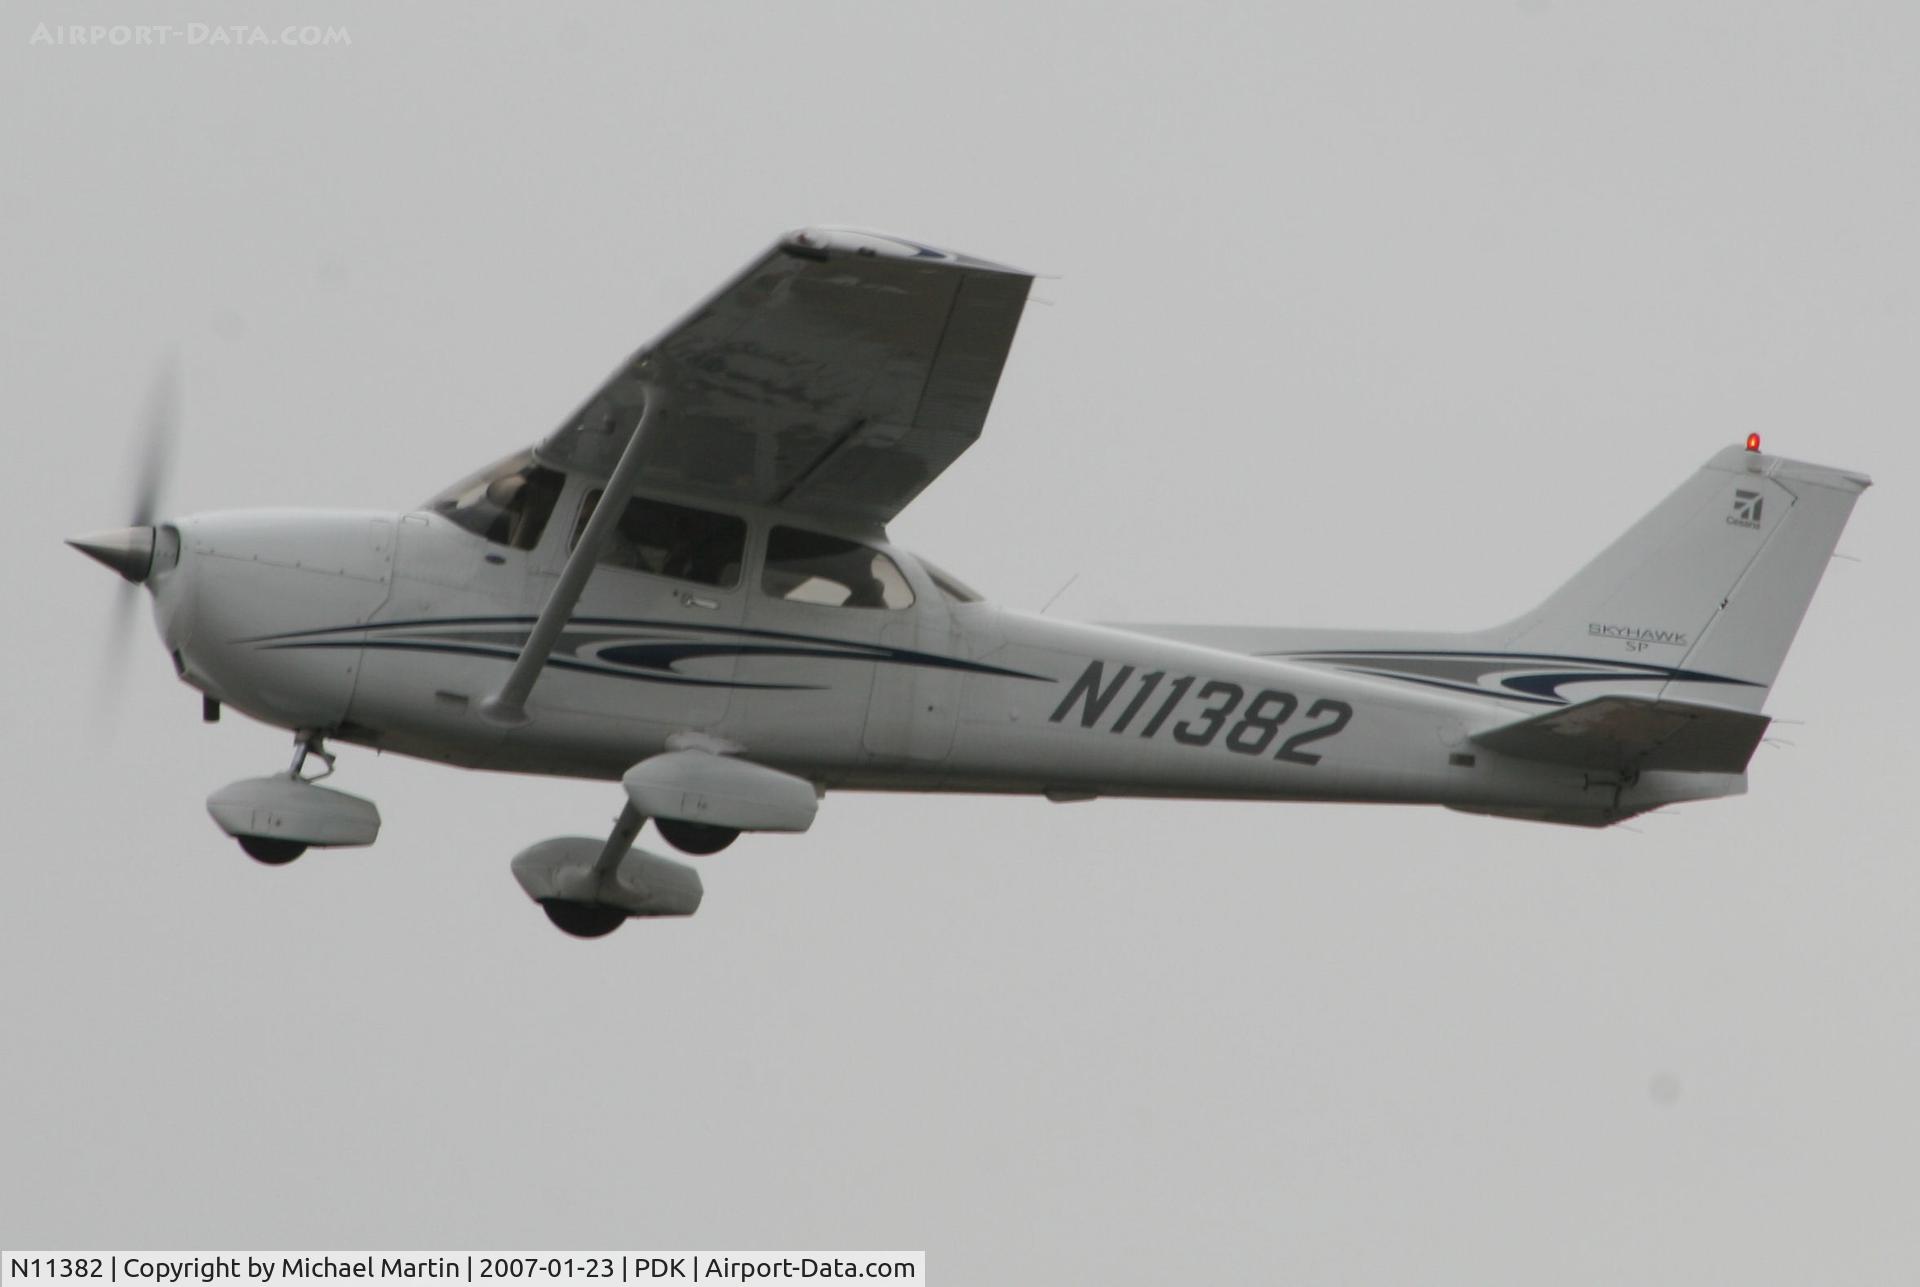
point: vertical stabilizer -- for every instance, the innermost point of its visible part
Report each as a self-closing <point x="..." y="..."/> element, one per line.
<point x="1709" y="587"/>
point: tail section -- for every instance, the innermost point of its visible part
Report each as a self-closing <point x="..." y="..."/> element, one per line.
<point x="1704" y="594"/>
<point x="1646" y="672"/>
<point x="1694" y="606"/>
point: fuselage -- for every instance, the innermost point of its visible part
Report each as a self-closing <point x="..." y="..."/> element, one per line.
<point x="389" y="630"/>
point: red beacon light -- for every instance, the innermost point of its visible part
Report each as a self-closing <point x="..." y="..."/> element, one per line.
<point x="1753" y="442"/>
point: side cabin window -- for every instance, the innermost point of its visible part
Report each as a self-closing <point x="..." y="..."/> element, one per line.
<point x="812" y="567"/>
<point x="672" y="541"/>
<point x="508" y="502"/>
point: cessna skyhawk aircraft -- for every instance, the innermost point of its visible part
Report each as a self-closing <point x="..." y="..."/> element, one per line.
<point x="688" y="588"/>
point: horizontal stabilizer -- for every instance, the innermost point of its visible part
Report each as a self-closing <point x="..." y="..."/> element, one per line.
<point x="1632" y="733"/>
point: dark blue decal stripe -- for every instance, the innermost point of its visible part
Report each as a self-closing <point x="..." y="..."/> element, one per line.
<point x="1528" y="677"/>
<point x="558" y="663"/>
<point x="1607" y="666"/>
<point x="646" y="657"/>
<point x="1446" y="685"/>
<point x="848" y="647"/>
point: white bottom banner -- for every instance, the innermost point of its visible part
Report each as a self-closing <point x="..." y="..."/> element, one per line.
<point x="497" y="1269"/>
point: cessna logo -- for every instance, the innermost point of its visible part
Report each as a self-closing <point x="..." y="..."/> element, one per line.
<point x="1746" y="509"/>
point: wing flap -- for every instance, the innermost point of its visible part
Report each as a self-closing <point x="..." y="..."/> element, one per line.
<point x="1630" y="734"/>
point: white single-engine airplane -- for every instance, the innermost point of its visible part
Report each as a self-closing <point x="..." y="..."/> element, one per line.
<point x="688" y="588"/>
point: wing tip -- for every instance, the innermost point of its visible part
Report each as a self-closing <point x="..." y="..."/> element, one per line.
<point x="819" y="240"/>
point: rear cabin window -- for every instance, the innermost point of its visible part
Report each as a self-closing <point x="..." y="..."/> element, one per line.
<point x="508" y="503"/>
<point x="812" y="567"/>
<point x="672" y="541"/>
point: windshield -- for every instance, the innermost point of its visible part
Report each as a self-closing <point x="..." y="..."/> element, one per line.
<point x="508" y="502"/>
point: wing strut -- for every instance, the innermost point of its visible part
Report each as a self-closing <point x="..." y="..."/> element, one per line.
<point x="509" y="704"/>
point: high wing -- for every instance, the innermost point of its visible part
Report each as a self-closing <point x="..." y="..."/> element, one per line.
<point x="835" y="378"/>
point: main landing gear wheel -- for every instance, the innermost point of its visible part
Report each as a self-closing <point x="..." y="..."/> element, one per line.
<point x="695" y="837"/>
<point x="582" y="920"/>
<point x="270" y="850"/>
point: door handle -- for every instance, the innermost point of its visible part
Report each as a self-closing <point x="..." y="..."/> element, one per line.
<point x="696" y="601"/>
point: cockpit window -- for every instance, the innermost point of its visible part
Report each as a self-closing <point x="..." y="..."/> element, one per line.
<point x="508" y="503"/>
<point x="673" y="541"/>
<point x="811" y="567"/>
<point x="950" y="585"/>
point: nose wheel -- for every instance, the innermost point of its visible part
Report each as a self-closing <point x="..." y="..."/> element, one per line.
<point x="276" y="819"/>
<point x="277" y="851"/>
<point x="271" y="850"/>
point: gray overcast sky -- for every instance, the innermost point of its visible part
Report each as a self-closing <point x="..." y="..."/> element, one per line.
<point x="1360" y="314"/>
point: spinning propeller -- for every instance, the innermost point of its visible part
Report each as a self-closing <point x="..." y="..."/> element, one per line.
<point x="129" y="550"/>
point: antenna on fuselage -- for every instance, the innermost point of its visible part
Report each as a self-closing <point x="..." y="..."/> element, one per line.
<point x="1057" y="593"/>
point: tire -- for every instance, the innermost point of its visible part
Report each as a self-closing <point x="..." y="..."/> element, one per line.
<point x="695" y="837"/>
<point x="271" y="850"/>
<point x="582" y="920"/>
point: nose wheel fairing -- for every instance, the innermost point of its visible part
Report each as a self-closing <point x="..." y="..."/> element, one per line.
<point x="294" y="810"/>
<point x="277" y="818"/>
